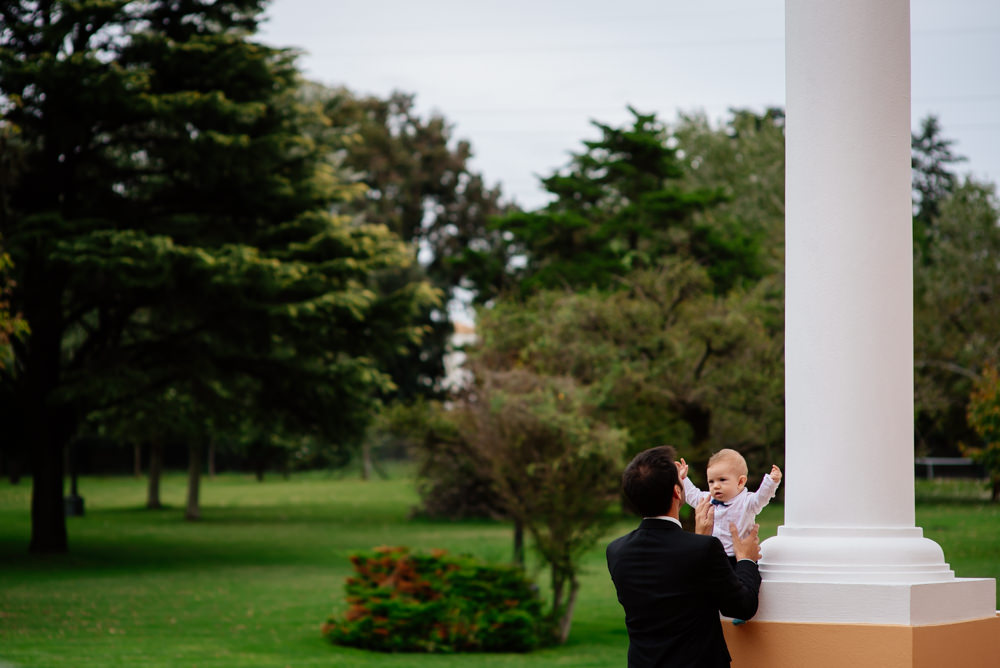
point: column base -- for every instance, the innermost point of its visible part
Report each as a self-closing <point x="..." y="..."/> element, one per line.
<point x="865" y="576"/>
<point x="918" y="604"/>
<point x="971" y="644"/>
<point x="853" y="555"/>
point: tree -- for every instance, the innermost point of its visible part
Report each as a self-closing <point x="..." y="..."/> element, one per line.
<point x="12" y="325"/>
<point x="419" y="184"/>
<point x="674" y="363"/>
<point x="956" y="286"/>
<point x="417" y="177"/>
<point x="745" y="158"/>
<point x="560" y="376"/>
<point x="984" y="416"/>
<point x="448" y="482"/>
<point x="640" y="307"/>
<point x="172" y="226"/>
<point x="153" y="419"/>
<point x="933" y="178"/>
<point x="549" y="460"/>
<point x="184" y="413"/>
<point x="619" y="205"/>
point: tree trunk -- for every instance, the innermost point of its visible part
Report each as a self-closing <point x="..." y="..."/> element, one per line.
<point x="48" y="511"/>
<point x="996" y="491"/>
<point x="137" y="460"/>
<point x="566" y="619"/>
<point x="14" y="470"/>
<point x="195" y="454"/>
<point x="366" y="461"/>
<point x="49" y="427"/>
<point x="558" y="581"/>
<point x="155" y="469"/>
<point x="519" y="542"/>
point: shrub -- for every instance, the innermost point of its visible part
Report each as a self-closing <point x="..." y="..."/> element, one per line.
<point x="984" y="417"/>
<point x="403" y="602"/>
<point x="449" y="482"/>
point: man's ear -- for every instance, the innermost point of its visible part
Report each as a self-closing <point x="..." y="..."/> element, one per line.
<point x="743" y="481"/>
<point x="678" y="499"/>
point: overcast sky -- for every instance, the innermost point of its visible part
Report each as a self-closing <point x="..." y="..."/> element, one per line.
<point x="522" y="79"/>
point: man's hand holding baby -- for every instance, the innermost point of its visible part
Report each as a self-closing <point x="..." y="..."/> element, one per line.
<point x="747" y="546"/>
<point x="704" y="517"/>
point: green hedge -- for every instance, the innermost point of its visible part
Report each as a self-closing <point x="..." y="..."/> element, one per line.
<point x="403" y="602"/>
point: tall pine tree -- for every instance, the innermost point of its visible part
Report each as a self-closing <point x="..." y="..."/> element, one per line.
<point x="619" y="206"/>
<point x="172" y="227"/>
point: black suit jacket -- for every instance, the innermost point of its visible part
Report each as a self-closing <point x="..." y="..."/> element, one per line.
<point x="673" y="584"/>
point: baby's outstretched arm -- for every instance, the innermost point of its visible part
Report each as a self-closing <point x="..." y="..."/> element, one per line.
<point x="692" y="495"/>
<point x="766" y="491"/>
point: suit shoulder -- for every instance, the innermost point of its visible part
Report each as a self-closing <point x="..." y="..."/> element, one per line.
<point x="614" y="551"/>
<point x="614" y="545"/>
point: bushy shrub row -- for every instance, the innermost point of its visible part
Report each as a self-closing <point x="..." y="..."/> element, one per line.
<point x="438" y="602"/>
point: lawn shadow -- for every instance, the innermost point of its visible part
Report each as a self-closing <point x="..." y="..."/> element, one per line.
<point x="140" y="540"/>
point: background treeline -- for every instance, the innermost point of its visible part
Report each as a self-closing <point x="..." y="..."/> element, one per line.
<point x="207" y="258"/>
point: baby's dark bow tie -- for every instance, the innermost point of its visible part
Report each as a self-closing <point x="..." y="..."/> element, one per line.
<point x="716" y="502"/>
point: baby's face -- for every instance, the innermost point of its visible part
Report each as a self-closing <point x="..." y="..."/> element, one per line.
<point x="724" y="483"/>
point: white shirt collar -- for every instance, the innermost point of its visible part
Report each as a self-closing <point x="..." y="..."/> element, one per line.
<point x="733" y="500"/>
<point x="664" y="517"/>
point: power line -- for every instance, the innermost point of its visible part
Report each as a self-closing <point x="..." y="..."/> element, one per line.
<point x="533" y="50"/>
<point x="508" y="50"/>
<point x="553" y="111"/>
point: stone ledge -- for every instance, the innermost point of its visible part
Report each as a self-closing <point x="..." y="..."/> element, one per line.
<point x="909" y="604"/>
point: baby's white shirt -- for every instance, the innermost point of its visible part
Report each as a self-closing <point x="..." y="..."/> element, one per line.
<point x="741" y="510"/>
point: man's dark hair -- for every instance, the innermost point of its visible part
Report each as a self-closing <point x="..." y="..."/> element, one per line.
<point x="649" y="481"/>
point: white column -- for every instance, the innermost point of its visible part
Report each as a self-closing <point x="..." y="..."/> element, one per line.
<point x="849" y="550"/>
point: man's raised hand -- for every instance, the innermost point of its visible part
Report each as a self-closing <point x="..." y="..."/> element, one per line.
<point x="704" y="517"/>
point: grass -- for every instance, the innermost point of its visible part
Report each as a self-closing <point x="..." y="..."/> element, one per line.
<point x="958" y="516"/>
<point x="251" y="583"/>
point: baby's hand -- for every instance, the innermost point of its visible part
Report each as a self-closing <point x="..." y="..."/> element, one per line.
<point x="775" y="473"/>
<point x="682" y="469"/>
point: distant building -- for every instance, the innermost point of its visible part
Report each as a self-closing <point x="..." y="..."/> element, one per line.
<point x="456" y="376"/>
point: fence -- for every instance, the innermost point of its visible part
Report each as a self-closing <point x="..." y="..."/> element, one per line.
<point x="947" y="467"/>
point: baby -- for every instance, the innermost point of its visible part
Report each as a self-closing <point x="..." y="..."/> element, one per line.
<point x="727" y="479"/>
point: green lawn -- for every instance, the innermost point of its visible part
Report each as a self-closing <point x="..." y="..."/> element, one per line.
<point x="251" y="583"/>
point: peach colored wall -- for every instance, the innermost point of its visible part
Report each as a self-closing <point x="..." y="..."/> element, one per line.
<point x="974" y="644"/>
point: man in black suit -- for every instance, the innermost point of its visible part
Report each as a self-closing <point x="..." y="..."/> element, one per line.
<point x="672" y="583"/>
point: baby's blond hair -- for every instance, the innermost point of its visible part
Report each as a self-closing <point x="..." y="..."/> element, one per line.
<point x="730" y="456"/>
